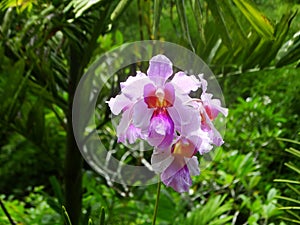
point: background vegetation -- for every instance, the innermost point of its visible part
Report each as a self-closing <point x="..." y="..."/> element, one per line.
<point x="253" y="47"/>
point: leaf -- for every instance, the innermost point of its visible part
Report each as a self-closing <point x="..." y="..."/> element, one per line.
<point x="292" y="167"/>
<point x="281" y="31"/>
<point x="293" y="151"/>
<point x="287" y="181"/>
<point x="24" y="4"/>
<point x="184" y="22"/>
<point x="57" y="189"/>
<point x="66" y="216"/>
<point x="210" y="212"/>
<point x="119" y="9"/>
<point x="14" y="89"/>
<point x="291" y="53"/>
<point x="198" y="15"/>
<point x="220" y="22"/>
<point x="258" y="20"/>
<point x="35" y="126"/>
<point x="158" y="5"/>
<point x="271" y="194"/>
<point x="102" y="216"/>
<point x="288" y="199"/>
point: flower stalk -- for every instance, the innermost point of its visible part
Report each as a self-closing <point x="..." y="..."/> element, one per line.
<point x="156" y="201"/>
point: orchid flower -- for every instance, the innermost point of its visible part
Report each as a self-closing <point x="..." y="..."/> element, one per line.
<point x="160" y="111"/>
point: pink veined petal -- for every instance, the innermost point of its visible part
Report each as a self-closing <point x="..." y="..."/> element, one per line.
<point x="169" y="94"/>
<point x="185" y="83"/>
<point x="186" y="118"/>
<point x="160" y="160"/>
<point x="210" y="129"/>
<point x="177" y="177"/>
<point x="118" y="103"/>
<point x="213" y="106"/>
<point x="133" y="87"/>
<point x="133" y="133"/>
<point x="177" y="164"/>
<point x="160" y="69"/>
<point x="193" y="166"/>
<point x="161" y="129"/>
<point x="141" y="115"/>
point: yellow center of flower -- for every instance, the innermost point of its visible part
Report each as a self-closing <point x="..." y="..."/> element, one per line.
<point x="184" y="148"/>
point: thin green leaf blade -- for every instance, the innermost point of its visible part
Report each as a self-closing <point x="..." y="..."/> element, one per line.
<point x="220" y="22"/>
<point x="257" y="19"/>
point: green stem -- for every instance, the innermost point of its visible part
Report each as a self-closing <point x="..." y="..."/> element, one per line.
<point x="157" y="200"/>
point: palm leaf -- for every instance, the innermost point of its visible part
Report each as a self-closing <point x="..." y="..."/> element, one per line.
<point x="292" y="184"/>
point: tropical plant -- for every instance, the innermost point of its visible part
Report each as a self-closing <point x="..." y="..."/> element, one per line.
<point x="45" y="47"/>
<point x="293" y="201"/>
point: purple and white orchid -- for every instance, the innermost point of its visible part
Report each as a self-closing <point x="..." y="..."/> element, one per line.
<point x="160" y="111"/>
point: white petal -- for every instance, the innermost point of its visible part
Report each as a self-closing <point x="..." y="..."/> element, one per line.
<point x="141" y="115"/>
<point x="193" y="165"/>
<point x="160" y="160"/>
<point x="185" y="83"/>
<point x="133" y="87"/>
<point x="118" y="103"/>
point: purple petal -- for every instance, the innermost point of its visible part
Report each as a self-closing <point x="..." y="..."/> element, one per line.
<point x="161" y="129"/>
<point x="185" y="83"/>
<point x="160" y="69"/>
<point x="177" y="176"/>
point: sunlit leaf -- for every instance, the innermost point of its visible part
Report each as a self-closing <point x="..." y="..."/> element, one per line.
<point x="257" y="19"/>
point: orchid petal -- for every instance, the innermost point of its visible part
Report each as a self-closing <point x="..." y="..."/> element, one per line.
<point x="169" y="94"/>
<point x="161" y="129"/>
<point x="149" y="95"/>
<point x="193" y="166"/>
<point x="213" y="105"/>
<point x="186" y="118"/>
<point x="180" y="180"/>
<point x="141" y="115"/>
<point x="185" y="83"/>
<point x="160" y="160"/>
<point x="203" y="83"/>
<point x="133" y="87"/>
<point x="160" y="69"/>
<point x="118" y="103"/>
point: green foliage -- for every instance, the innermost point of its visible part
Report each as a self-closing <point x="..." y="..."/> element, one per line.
<point x="292" y="209"/>
<point x="213" y="212"/>
<point x="44" y="45"/>
<point x="33" y="209"/>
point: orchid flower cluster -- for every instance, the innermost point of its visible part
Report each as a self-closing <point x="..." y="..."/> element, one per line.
<point x="160" y="111"/>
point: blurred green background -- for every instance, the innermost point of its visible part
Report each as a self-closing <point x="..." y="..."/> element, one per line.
<point x="253" y="48"/>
